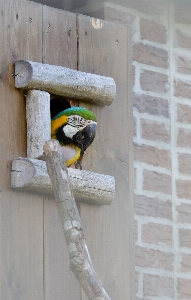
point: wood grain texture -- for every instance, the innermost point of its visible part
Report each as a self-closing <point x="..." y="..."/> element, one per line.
<point x="80" y="260"/>
<point x="21" y="216"/>
<point x="60" y="49"/>
<point x="103" y="49"/>
<point x="38" y="122"/>
<point x="65" y="82"/>
<point x="30" y="175"/>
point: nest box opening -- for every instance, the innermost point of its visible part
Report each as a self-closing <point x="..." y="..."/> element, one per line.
<point x="50" y="90"/>
<point x="57" y="105"/>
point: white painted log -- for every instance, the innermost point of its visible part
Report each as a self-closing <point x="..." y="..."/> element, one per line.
<point x="31" y="175"/>
<point x="38" y="122"/>
<point x="65" y="82"/>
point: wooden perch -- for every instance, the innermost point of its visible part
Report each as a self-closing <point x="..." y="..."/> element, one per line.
<point x="80" y="261"/>
<point x="30" y="175"/>
<point x="38" y="122"/>
<point x="65" y="82"/>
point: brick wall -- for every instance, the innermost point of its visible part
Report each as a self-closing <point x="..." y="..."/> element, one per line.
<point x="162" y="142"/>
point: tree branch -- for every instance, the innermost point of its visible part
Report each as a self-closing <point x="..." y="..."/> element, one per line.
<point x="80" y="261"/>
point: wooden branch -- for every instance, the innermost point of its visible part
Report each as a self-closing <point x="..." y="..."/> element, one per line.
<point x="80" y="261"/>
<point x="38" y="122"/>
<point x="30" y="175"/>
<point x="65" y="82"/>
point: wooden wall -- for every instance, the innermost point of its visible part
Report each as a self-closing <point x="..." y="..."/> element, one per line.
<point x="33" y="255"/>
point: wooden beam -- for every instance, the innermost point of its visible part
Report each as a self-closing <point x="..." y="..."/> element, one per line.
<point x="65" y="82"/>
<point x="30" y="175"/>
<point x="38" y="122"/>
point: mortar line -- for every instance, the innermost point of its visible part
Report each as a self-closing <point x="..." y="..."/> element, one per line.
<point x="173" y="141"/>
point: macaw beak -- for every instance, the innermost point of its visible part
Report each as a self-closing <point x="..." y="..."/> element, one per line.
<point x="88" y="133"/>
<point x="85" y="137"/>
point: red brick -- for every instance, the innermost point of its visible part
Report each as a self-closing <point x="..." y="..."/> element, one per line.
<point x="152" y="207"/>
<point x="185" y="263"/>
<point x="154" y="82"/>
<point x="151" y="105"/>
<point x="158" y="286"/>
<point x="183" y="113"/>
<point x="150" y="55"/>
<point x="152" y="155"/>
<point x="146" y="6"/>
<point x="182" y="89"/>
<point x="184" y="137"/>
<point x="157" y="182"/>
<point x="184" y="288"/>
<point x="185" y="237"/>
<point x="183" y="40"/>
<point x="182" y="12"/>
<point x="154" y="233"/>
<point x="148" y="258"/>
<point x="185" y="163"/>
<point x="155" y="131"/>
<point x="136" y="282"/>
<point x="184" y="65"/>
<point x="119" y="16"/>
<point x="153" y="31"/>
<point x="184" y="213"/>
<point x="183" y="188"/>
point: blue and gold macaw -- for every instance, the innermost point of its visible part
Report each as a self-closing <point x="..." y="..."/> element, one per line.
<point x="75" y="129"/>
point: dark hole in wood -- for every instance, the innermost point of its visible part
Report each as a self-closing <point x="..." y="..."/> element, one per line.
<point x="58" y="104"/>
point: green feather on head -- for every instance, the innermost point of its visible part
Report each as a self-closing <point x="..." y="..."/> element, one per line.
<point x="80" y="111"/>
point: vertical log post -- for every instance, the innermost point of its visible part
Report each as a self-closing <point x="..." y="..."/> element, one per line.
<point x="80" y="261"/>
<point x="38" y="122"/>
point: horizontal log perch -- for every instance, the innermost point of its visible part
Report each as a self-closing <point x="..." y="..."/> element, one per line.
<point x="65" y="82"/>
<point x="31" y="175"/>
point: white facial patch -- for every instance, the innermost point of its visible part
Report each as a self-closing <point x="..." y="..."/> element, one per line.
<point x="70" y="131"/>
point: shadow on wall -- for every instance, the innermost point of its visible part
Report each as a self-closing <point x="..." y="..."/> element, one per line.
<point x="64" y="4"/>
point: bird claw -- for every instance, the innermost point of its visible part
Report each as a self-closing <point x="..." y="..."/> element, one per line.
<point x="78" y="165"/>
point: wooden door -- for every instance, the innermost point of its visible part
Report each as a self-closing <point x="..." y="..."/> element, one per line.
<point x="34" y="261"/>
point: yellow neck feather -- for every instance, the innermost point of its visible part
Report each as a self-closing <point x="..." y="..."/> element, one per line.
<point x="55" y="124"/>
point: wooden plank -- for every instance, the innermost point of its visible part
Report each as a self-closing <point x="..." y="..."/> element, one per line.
<point x="59" y="48"/>
<point x="59" y="38"/>
<point x="103" y="49"/>
<point x="21" y="215"/>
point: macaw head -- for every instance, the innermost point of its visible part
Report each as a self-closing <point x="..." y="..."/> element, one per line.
<point x="74" y="128"/>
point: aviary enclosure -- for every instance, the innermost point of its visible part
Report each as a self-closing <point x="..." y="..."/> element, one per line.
<point x="34" y="260"/>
